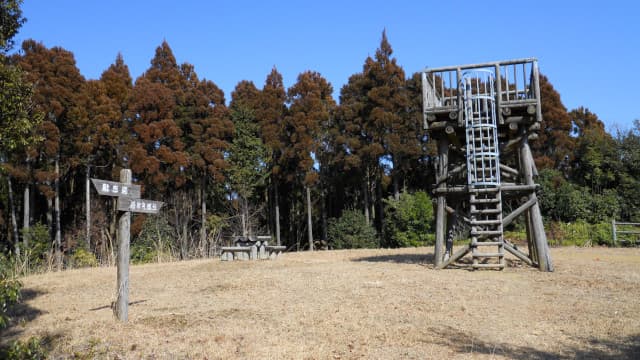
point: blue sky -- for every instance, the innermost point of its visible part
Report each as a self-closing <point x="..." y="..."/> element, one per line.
<point x="588" y="49"/>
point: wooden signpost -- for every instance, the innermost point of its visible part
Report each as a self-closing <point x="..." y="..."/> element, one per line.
<point x="128" y="201"/>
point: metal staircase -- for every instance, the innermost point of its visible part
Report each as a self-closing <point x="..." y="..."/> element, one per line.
<point x="483" y="170"/>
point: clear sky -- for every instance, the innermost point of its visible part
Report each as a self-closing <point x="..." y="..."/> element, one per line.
<point x="590" y="50"/>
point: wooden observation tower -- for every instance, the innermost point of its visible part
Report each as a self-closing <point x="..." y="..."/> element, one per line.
<point x="482" y="117"/>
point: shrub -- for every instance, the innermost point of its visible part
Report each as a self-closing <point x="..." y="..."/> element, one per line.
<point x="408" y="220"/>
<point x="579" y="233"/>
<point x="37" y="252"/>
<point x="83" y="258"/>
<point x="31" y="349"/>
<point x="351" y="231"/>
<point x="154" y="242"/>
<point x="9" y="290"/>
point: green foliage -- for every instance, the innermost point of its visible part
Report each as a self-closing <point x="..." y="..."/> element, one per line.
<point x="247" y="154"/>
<point x="37" y="249"/>
<point x="11" y="20"/>
<point x="408" y="220"/>
<point x="562" y="200"/>
<point x="579" y="233"/>
<point x="82" y="258"/>
<point x="155" y="241"/>
<point x="18" y="121"/>
<point x="351" y="231"/>
<point x="9" y="290"/>
<point x="31" y="349"/>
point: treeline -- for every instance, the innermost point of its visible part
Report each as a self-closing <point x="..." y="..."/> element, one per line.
<point x="278" y="161"/>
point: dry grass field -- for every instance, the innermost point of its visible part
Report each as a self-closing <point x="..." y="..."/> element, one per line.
<point x="369" y="304"/>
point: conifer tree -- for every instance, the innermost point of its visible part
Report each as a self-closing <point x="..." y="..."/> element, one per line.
<point x="270" y="112"/>
<point x="310" y="110"/>
<point x="58" y="84"/>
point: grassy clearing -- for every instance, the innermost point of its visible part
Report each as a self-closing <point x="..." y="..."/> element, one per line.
<point x="343" y="304"/>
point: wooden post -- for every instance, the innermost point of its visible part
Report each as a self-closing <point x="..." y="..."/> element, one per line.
<point x="441" y="214"/>
<point x="536" y="224"/>
<point x="615" y="236"/>
<point x="121" y="309"/>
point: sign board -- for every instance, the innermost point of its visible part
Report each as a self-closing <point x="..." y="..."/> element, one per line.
<point x="113" y="188"/>
<point x="139" y="205"/>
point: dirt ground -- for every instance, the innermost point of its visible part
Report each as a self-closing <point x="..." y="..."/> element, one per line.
<point x="370" y="304"/>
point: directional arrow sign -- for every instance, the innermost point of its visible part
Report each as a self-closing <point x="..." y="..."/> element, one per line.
<point x="113" y="188"/>
<point x="139" y="205"/>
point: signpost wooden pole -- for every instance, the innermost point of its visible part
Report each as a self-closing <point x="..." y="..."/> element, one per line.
<point x="121" y="309"/>
<point x="128" y="197"/>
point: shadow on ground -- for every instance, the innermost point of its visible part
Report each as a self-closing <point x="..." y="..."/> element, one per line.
<point x="419" y="259"/>
<point x="620" y="348"/>
<point x="21" y="312"/>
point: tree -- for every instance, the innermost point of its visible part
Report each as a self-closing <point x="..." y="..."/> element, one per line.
<point x="596" y="160"/>
<point x="58" y="86"/>
<point x="375" y="133"/>
<point x="12" y="20"/>
<point x="311" y="106"/>
<point x="555" y="145"/>
<point x="270" y="112"/>
<point x="247" y="159"/>
<point x="156" y="153"/>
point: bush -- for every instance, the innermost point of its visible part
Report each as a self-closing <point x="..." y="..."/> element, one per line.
<point x="9" y="290"/>
<point x="82" y="258"/>
<point x="351" y="231"/>
<point x="579" y="233"/>
<point x="408" y="220"/>
<point x="155" y="241"/>
<point x="38" y="251"/>
<point x="31" y="349"/>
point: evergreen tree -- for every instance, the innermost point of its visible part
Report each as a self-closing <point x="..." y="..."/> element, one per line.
<point x="310" y="110"/>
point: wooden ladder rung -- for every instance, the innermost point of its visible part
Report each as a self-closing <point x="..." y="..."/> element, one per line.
<point x="485" y="232"/>
<point x="489" y="243"/>
<point x="488" y="266"/>
<point x="487" y="255"/>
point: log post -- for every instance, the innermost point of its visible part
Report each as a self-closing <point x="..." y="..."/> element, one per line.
<point x="441" y="216"/>
<point x="535" y="217"/>
<point x="121" y="309"/>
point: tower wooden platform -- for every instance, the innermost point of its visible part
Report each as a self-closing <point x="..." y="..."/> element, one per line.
<point x="482" y="117"/>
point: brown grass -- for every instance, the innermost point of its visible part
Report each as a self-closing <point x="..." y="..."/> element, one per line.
<point x="381" y="304"/>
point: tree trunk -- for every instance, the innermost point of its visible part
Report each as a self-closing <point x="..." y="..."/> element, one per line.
<point x="58" y="236"/>
<point x="203" y="227"/>
<point x="26" y="215"/>
<point x="366" y="198"/>
<point x="379" y="205"/>
<point x="276" y="201"/>
<point x="243" y="217"/>
<point x="309" y="222"/>
<point x="14" y="223"/>
<point x="87" y="205"/>
<point x="396" y="187"/>
<point x="324" y="218"/>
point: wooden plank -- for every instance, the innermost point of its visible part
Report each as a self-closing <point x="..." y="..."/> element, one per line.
<point x="114" y="188"/>
<point x="515" y="213"/>
<point x="517" y="253"/>
<point x="139" y="205"/>
<point x="455" y="257"/>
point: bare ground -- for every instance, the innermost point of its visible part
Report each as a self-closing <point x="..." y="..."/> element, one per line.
<point x="372" y="304"/>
